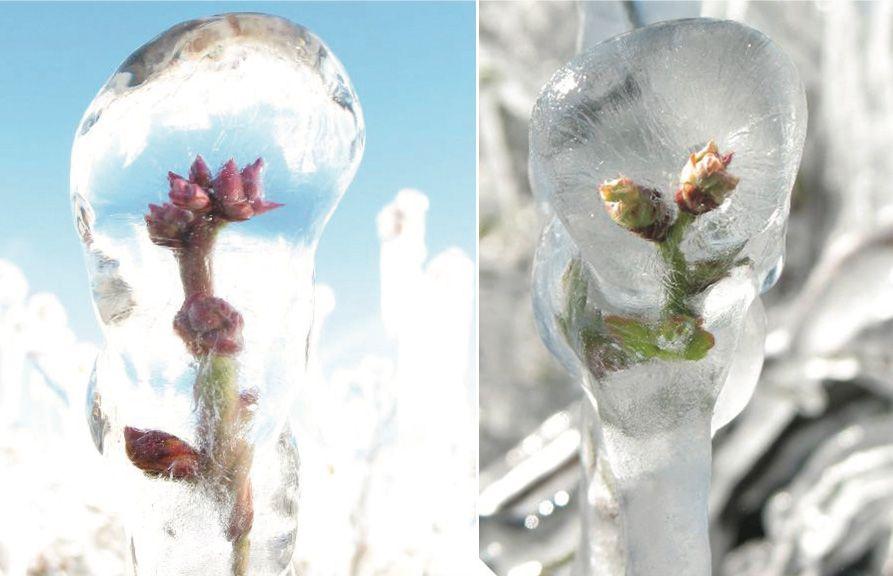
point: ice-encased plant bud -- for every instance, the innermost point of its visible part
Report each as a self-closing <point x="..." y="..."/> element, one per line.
<point x="202" y="176"/>
<point x="665" y="329"/>
<point x="636" y="208"/>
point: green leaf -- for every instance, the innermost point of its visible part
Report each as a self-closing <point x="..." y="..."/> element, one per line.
<point x="700" y="344"/>
<point x="633" y="336"/>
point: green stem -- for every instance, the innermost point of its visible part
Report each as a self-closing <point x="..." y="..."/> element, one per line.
<point x="222" y="429"/>
<point x="675" y="279"/>
<point x="223" y="419"/>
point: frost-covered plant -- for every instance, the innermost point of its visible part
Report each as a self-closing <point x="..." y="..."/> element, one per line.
<point x="647" y="280"/>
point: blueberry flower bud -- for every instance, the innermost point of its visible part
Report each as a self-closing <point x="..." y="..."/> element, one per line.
<point x="637" y="209"/>
<point x="200" y="173"/>
<point x="254" y="192"/>
<point x="159" y="454"/>
<point x="188" y="195"/>
<point x="230" y="192"/>
<point x="704" y="182"/>
<point x="240" y="194"/>
<point x="169" y="225"/>
<point x="208" y="324"/>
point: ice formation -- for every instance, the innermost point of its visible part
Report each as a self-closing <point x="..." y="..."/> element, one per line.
<point x="835" y="275"/>
<point x="358" y="485"/>
<point x="202" y="176"/>
<point x="652" y="292"/>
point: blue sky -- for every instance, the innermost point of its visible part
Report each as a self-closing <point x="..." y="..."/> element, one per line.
<point x="413" y="67"/>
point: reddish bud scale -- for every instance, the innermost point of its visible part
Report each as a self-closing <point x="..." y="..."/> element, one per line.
<point x="705" y="183"/>
<point x="169" y="225"/>
<point x="159" y="454"/>
<point x="240" y="194"/>
<point x="200" y="173"/>
<point x="188" y="195"/>
<point x="208" y="324"/>
<point x="657" y="230"/>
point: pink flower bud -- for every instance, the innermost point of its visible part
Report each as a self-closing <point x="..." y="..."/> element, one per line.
<point x="704" y="183"/>
<point x="159" y="454"/>
<point x="251" y="177"/>
<point x="208" y="324"/>
<point x="169" y="225"/>
<point x="229" y="190"/>
<point x="240" y="194"/>
<point x="200" y="173"/>
<point x="188" y="195"/>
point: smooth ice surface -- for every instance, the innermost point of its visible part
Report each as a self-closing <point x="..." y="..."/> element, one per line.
<point x="744" y="373"/>
<point x="553" y="254"/>
<point x="638" y="105"/>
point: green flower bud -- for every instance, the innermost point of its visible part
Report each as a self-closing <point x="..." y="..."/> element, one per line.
<point x="637" y="209"/>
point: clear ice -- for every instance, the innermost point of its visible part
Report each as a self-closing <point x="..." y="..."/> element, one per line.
<point x="638" y="105"/>
<point x="235" y="86"/>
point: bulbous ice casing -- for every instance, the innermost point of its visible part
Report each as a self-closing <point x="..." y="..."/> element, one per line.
<point x="650" y="296"/>
<point x="279" y="130"/>
<point x="638" y="104"/>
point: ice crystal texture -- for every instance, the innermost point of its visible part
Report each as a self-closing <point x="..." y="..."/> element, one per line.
<point x="240" y="87"/>
<point x="638" y="105"/>
<point x="661" y="326"/>
<point x="828" y="328"/>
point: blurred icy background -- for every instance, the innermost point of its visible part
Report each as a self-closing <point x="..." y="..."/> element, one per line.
<point x="803" y="479"/>
<point x="386" y="417"/>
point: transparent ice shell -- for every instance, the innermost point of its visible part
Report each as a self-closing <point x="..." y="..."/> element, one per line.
<point x="638" y="104"/>
<point x="242" y="86"/>
<point x="554" y="253"/>
<point x="234" y="86"/>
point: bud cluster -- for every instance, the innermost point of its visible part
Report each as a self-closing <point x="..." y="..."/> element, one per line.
<point x="704" y="184"/>
<point x="201" y="201"/>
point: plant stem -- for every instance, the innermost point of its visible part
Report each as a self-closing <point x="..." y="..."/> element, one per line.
<point x="223" y="417"/>
<point x="195" y="258"/>
<point x="677" y="273"/>
<point x="223" y="422"/>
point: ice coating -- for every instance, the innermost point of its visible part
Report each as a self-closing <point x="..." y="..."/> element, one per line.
<point x="665" y="158"/>
<point x="242" y="86"/>
<point x="554" y="252"/>
<point x="262" y="106"/>
<point x="637" y="105"/>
